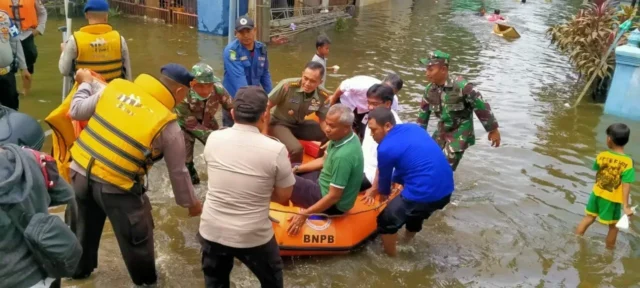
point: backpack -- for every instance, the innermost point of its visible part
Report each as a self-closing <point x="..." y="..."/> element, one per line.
<point x="51" y="242"/>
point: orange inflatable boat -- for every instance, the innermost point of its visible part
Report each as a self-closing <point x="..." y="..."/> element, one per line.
<point x="325" y="235"/>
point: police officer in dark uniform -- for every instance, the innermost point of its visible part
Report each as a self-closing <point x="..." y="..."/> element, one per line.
<point x="294" y="99"/>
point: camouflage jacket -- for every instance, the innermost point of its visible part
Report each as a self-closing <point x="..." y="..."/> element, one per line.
<point x="453" y="104"/>
<point x="197" y="117"/>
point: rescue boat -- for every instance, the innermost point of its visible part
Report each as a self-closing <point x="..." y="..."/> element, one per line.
<point x="323" y="235"/>
<point x="505" y="31"/>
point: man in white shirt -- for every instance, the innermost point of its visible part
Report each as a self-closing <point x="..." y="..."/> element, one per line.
<point x="246" y="171"/>
<point x="377" y="96"/>
<point x="353" y="93"/>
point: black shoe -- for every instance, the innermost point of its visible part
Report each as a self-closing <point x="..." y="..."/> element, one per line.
<point x="195" y="179"/>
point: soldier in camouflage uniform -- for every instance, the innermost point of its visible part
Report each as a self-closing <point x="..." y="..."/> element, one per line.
<point x="196" y="114"/>
<point x="453" y="101"/>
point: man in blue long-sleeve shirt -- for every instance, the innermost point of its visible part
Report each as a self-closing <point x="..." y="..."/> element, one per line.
<point x="245" y="63"/>
<point x="420" y="166"/>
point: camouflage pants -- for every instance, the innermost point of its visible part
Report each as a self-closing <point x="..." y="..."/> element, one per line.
<point x="452" y="156"/>
<point x="189" y="143"/>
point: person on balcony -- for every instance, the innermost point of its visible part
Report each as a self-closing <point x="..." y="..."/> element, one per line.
<point x="245" y="63"/>
<point x="97" y="40"/>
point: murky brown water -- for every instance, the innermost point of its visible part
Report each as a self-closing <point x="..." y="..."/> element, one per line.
<point x="516" y="206"/>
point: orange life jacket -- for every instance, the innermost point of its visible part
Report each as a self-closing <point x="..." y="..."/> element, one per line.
<point x="26" y="17"/>
<point x="66" y="130"/>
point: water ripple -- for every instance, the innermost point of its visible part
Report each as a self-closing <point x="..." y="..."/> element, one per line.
<point x="516" y="206"/>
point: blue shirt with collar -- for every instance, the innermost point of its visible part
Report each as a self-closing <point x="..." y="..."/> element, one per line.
<point x="420" y="166"/>
<point x="240" y="69"/>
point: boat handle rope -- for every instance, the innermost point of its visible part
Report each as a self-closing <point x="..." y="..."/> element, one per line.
<point x="326" y="215"/>
<point x="394" y="191"/>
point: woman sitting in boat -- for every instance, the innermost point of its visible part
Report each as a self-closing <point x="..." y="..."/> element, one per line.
<point x="496" y="16"/>
<point x="330" y="184"/>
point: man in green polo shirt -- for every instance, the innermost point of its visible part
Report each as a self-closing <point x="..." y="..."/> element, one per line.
<point x="340" y="170"/>
<point x="294" y="99"/>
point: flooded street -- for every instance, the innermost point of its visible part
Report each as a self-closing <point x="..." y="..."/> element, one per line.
<point x="515" y="207"/>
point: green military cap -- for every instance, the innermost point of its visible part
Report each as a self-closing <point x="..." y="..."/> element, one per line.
<point x="436" y="57"/>
<point x="203" y="73"/>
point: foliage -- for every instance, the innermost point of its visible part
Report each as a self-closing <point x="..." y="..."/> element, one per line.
<point x="341" y="24"/>
<point x="587" y="36"/>
<point x="115" y="12"/>
<point x="625" y="13"/>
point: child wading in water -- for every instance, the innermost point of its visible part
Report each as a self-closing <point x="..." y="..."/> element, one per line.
<point x="323" y="44"/>
<point x="610" y="193"/>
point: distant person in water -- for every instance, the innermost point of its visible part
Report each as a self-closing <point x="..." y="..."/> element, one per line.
<point x="496" y="16"/>
<point x="481" y="12"/>
<point x="614" y="176"/>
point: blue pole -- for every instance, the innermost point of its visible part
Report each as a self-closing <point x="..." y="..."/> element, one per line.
<point x="233" y="7"/>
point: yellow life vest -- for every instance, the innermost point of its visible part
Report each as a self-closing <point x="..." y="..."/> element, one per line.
<point x="99" y="49"/>
<point x="115" y="146"/>
<point x="64" y="132"/>
<point x="63" y="135"/>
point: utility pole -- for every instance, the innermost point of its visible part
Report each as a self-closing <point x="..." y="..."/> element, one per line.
<point x="252" y="10"/>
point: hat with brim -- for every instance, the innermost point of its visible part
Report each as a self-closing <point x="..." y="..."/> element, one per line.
<point x="203" y="73"/>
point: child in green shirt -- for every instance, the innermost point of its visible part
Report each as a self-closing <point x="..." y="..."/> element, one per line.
<point x="610" y="193"/>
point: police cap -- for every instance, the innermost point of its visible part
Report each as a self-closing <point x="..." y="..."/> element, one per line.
<point x="244" y="22"/>
<point x="250" y="100"/>
<point x="178" y="73"/>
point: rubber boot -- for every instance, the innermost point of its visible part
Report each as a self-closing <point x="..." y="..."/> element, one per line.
<point x="194" y="174"/>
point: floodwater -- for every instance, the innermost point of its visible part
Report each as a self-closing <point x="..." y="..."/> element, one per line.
<point x="515" y="207"/>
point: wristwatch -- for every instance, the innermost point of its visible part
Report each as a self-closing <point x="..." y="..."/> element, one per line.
<point x="295" y="169"/>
